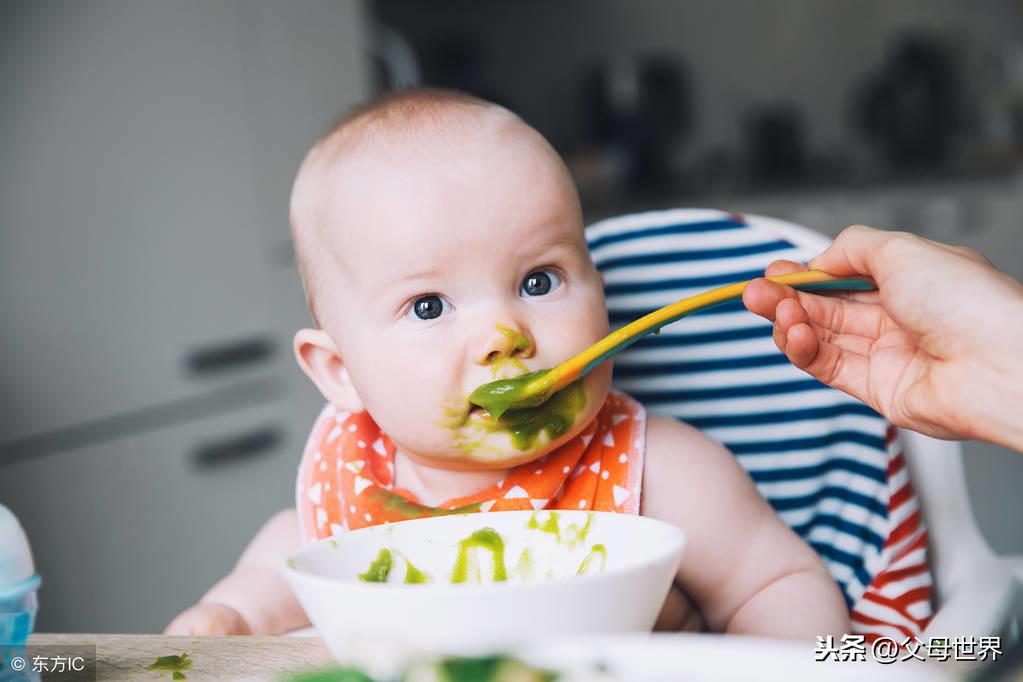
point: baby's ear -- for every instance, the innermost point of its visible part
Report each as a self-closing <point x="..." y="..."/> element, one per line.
<point x="318" y="357"/>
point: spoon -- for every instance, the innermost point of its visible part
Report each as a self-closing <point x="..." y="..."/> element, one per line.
<point x="535" y="388"/>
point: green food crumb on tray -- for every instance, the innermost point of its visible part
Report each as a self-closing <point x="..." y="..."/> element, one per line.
<point x="173" y="663"/>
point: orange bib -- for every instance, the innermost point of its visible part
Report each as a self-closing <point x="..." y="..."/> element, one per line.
<point x="346" y="476"/>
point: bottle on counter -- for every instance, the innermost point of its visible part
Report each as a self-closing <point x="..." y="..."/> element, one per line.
<point x="18" y="582"/>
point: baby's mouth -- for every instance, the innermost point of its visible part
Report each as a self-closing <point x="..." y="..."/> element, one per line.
<point x="523" y="391"/>
<point x="524" y="425"/>
<point x="468" y="411"/>
<point x="464" y="412"/>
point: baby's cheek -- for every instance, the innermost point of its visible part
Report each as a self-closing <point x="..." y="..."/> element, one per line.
<point x="414" y="403"/>
<point x="598" y="383"/>
<point x="584" y="322"/>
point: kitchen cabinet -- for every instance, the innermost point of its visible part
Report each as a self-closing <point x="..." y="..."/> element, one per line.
<point x="128" y="533"/>
<point x="147" y="291"/>
<point x="149" y="149"/>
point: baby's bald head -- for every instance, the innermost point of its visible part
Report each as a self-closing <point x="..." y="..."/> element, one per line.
<point x="412" y="124"/>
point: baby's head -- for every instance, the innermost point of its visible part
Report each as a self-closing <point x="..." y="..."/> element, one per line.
<point x="441" y="246"/>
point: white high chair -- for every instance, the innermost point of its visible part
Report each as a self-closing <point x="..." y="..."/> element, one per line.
<point x="976" y="593"/>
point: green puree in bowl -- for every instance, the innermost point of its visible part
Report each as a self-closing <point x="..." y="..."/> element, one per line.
<point x="485" y="538"/>
<point x="595" y="561"/>
<point x="380" y="569"/>
<point x="573" y="533"/>
<point x="466" y="567"/>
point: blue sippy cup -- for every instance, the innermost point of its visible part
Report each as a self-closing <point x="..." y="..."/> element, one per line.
<point x="18" y="582"/>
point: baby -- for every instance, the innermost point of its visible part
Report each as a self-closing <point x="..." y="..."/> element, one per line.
<point x="441" y="245"/>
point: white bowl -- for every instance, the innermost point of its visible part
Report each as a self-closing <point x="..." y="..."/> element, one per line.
<point x="354" y="616"/>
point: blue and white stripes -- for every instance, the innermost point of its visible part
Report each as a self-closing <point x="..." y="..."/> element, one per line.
<point x="816" y="454"/>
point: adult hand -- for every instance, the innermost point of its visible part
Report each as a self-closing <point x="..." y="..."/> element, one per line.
<point x="935" y="349"/>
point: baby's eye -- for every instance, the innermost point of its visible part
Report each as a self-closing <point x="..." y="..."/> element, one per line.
<point x="540" y="283"/>
<point x="428" y="307"/>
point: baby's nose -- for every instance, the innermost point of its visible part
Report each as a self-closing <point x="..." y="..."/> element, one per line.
<point x="507" y="342"/>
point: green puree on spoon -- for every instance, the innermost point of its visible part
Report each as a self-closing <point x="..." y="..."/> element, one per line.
<point x="536" y="388"/>
<point x="497" y="397"/>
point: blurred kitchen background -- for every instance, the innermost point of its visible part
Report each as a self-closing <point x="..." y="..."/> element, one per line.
<point x="151" y="415"/>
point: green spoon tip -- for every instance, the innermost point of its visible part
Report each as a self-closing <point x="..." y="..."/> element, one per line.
<point x="497" y="397"/>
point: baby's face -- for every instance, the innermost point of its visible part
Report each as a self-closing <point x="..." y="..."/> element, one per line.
<point x="449" y="268"/>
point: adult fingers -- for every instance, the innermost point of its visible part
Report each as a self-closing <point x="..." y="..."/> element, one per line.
<point x="762" y="297"/>
<point x="829" y="363"/>
<point x="790" y="314"/>
<point x="839" y="360"/>
<point x="841" y="315"/>
<point x="861" y="250"/>
<point x="783" y="267"/>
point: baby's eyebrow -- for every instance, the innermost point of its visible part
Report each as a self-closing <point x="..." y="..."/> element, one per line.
<point x="416" y="275"/>
<point x="542" y="247"/>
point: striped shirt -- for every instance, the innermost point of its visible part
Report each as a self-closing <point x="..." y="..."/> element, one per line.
<point x="831" y="467"/>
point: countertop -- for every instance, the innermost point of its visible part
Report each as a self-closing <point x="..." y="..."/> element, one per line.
<point x="125" y="657"/>
<point x="646" y="658"/>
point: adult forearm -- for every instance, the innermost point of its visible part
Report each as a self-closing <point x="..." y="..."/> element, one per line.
<point x="1000" y="419"/>
<point x="991" y="393"/>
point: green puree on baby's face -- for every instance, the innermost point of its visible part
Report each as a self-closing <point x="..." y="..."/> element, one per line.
<point x="554" y="417"/>
<point x="519" y="344"/>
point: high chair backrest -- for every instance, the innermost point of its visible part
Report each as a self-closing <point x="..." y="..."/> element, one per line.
<point x="821" y="458"/>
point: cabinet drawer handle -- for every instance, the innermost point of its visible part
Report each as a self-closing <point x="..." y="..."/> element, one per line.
<point x="252" y="444"/>
<point x="230" y="355"/>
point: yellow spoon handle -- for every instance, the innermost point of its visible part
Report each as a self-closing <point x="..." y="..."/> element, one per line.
<point x="579" y="365"/>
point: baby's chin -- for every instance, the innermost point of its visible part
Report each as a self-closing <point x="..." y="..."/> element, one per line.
<point x="484" y="449"/>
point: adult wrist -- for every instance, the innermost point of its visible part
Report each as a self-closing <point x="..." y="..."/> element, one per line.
<point x="998" y="387"/>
